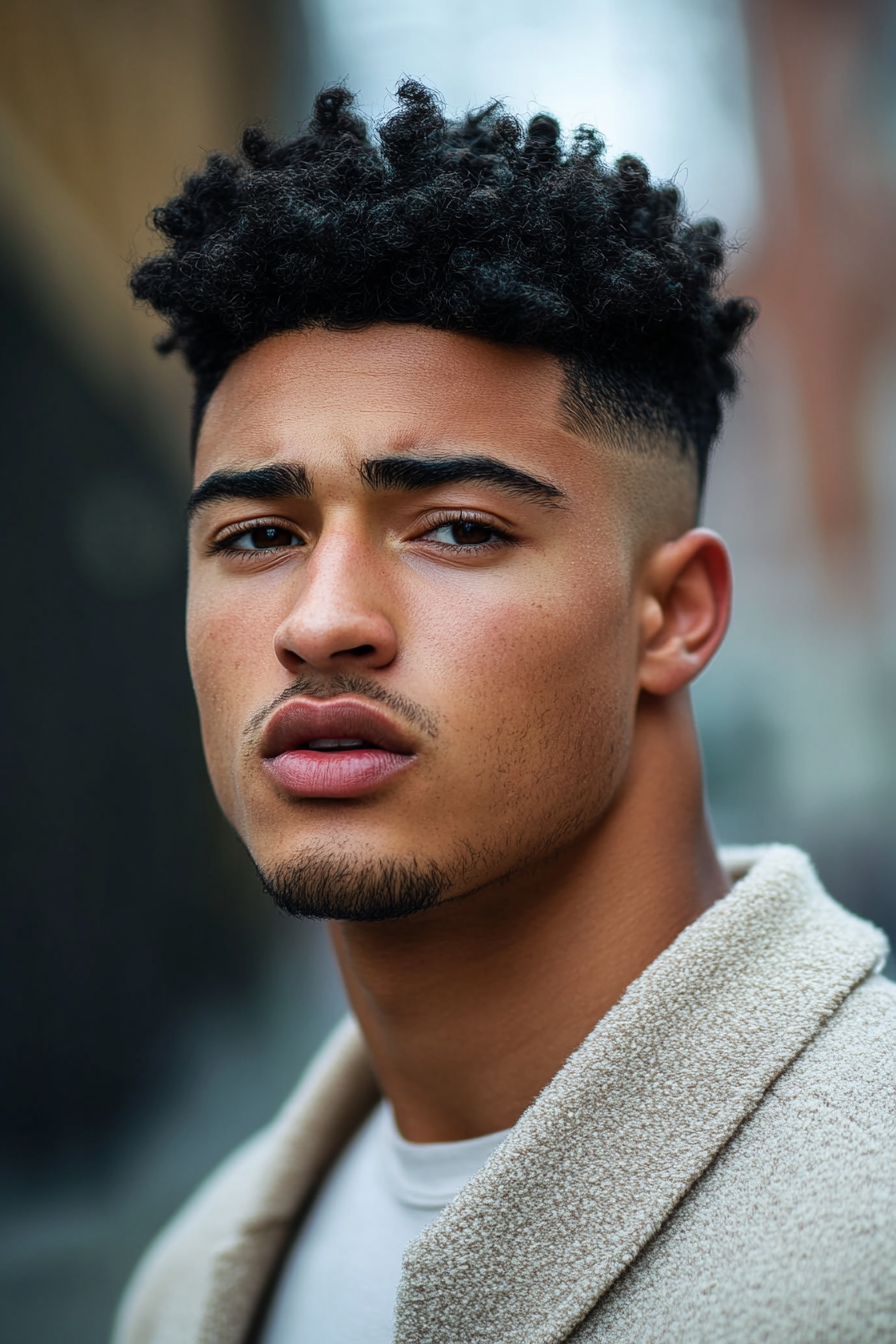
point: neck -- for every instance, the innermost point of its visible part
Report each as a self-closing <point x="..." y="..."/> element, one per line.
<point x="470" y="1009"/>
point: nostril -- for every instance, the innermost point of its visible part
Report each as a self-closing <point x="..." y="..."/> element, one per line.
<point x="361" y="651"/>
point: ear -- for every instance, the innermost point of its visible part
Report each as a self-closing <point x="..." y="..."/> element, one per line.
<point x="685" y="606"/>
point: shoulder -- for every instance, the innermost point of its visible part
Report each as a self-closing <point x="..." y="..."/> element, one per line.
<point x="177" y="1267"/>
<point x="790" y="1232"/>
<point x="216" y="1255"/>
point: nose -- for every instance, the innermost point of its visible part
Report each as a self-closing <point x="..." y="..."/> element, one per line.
<point x="338" y="620"/>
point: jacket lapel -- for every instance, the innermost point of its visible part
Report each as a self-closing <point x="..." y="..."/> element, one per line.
<point x="602" y="1157"/>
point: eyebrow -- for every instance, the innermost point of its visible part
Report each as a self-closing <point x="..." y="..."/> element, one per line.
<point x="276" y="482"/>
<point x="381" y="473"/>
<point x="420" y="473"/>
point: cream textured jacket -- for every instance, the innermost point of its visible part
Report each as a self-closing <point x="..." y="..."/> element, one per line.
<point x="716" y="1164"/>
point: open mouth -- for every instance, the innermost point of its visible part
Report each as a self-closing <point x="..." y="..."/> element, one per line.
<point x="338" y="744"/>
<point x="339" y="748"/>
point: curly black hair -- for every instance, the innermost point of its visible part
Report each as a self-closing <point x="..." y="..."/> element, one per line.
<point x="477" y="225"/>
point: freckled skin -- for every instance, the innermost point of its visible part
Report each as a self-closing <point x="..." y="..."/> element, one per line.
<point x="562" y="785"/>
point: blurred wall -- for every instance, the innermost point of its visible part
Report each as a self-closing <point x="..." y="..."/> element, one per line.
<point x="102" y="104"/>
<point x="799" y="710"/>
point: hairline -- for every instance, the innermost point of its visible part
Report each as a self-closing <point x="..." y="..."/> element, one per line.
<point x="588" y="405"/>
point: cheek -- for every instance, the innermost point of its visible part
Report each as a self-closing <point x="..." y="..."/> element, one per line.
<point x="537" y="636"/>
<point x="536" y="686"/>
<point x="223" y="642"/>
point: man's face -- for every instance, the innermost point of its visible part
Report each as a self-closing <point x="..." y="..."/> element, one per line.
<point x="415" y="650"/>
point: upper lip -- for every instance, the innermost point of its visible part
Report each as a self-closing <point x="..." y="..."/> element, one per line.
<point x="303" y="720"/>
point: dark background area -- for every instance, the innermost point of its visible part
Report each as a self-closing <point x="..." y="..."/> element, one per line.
<point x="122" y="885"/>
<point x="153" y="1008"/>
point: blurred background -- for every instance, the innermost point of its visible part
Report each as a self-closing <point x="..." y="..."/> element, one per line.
<point x="154" y="1008"/>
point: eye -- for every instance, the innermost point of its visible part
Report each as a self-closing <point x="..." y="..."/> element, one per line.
<point x="269" y="537"/>
<point x="464" y="532"/>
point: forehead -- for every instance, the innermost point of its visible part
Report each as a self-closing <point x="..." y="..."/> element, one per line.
<point x="386" y="387"/>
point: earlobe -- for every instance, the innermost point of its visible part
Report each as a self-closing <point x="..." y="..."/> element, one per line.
<point x="685" y="607"/>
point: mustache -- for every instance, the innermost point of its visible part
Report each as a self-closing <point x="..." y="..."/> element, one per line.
<point x="320" y="687"/>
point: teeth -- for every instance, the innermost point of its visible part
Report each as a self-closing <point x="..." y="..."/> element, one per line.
<point x="334" y="743"/>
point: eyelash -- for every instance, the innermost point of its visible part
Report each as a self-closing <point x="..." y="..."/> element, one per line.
<point x="500" y="537"/>
<point x="224" y="543"/>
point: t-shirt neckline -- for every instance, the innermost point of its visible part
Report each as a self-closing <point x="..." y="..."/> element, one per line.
<point x="429" y="1175"/>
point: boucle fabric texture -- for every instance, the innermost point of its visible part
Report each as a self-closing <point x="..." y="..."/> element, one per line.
<point x="717" y="1161"/>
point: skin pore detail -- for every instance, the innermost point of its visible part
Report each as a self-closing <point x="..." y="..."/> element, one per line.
<point x="528" y="654"/>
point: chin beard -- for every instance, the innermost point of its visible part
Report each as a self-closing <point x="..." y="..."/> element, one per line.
<point x="329" y="887"/>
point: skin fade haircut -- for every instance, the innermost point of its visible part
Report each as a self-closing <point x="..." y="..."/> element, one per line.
<point x="316" y="270"/>
<point x="478" y="226"/>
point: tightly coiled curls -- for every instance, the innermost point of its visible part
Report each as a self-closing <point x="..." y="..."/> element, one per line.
<point x="477" y="225"/>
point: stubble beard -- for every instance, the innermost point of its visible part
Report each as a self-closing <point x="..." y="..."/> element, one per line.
<point x="326" y="886"/>
<point x="323" y="884"/>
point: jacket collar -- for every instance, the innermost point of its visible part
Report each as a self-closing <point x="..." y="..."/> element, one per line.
<point x="598" y="1162"/>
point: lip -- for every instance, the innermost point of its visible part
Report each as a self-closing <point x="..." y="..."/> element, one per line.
<point x="307" y="773"/>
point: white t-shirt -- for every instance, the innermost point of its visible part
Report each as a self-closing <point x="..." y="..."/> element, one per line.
<point x="340" y="1279"/>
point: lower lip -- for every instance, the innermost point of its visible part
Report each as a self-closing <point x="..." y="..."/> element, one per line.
<point x="335" y="774"/>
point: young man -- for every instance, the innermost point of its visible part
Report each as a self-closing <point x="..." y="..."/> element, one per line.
<point x="456" y="390"/>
